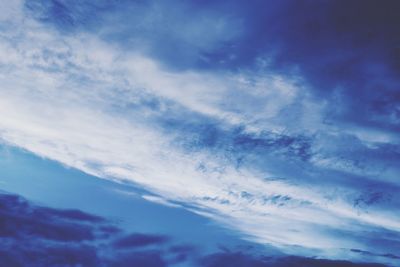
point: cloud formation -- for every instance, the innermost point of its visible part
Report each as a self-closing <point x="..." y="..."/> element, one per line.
<point x="24" y="243"/>
<point x="257" y="144"/>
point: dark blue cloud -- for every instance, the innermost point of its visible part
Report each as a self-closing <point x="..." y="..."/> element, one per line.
<point x="139" y="240"/>
<point x="19" y="220"/>
<point x="347" y="52"/>
<point x="68" y="214"/>
<point x="148" y="258"/>
<point x="238" y="259"/>
<point x="54" y="255"/>
<point x="368" y="253"/>
<point x="68" y="16"/>
<point x="39" y="236"/>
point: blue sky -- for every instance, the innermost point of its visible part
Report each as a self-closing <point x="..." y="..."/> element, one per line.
<point x="266" y="124"/>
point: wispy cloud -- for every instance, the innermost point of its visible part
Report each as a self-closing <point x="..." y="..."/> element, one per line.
<point x="248" y="148"/>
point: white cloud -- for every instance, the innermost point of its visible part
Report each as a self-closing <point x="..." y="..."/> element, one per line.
<point x="61" y="98"/>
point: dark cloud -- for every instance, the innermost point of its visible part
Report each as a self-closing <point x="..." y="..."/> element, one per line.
<point x="182" y="253"/>
<point x="68" y="214"/>
<point x="237" y="259"/>
<point x="19" y="219"/>
<point x="368" y="253"/>
<point x="31" y="235"/>
<point x="310" y="262"/>
<point x="68" y="16"/>
<point x="232" y="259"/>
<point x="139" y="240"/>
<point x="348" y="53"/>
<point x="148" y="259"/>
<point x="55" y="255"/>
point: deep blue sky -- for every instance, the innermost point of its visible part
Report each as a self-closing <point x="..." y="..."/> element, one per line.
<point x="260" y="133"/>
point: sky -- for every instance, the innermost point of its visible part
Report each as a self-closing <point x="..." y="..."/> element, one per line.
<point x="200" y="133"/>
